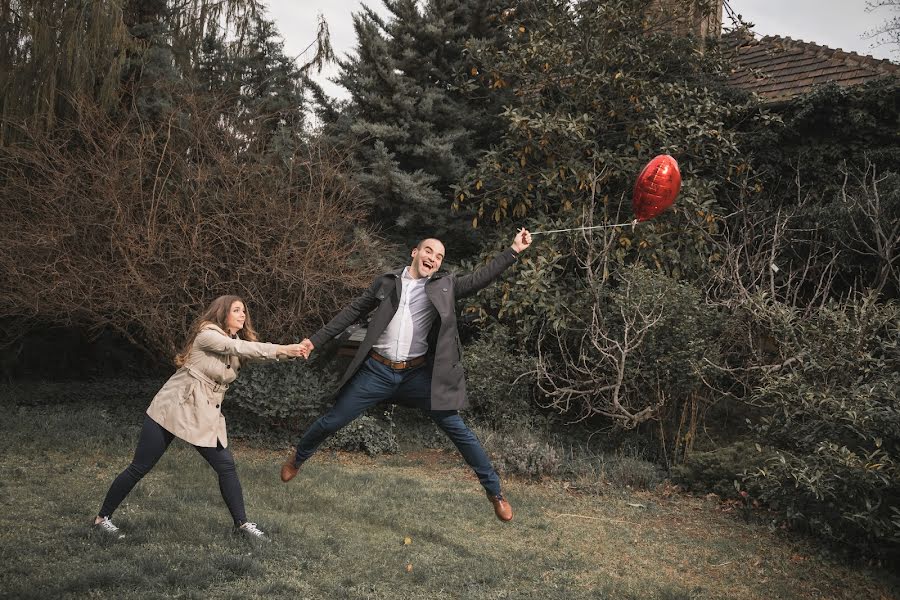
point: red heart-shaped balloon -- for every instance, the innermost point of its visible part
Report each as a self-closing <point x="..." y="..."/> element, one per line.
<point x="656" y="187"/>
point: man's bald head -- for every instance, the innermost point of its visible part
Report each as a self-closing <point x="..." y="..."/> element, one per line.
<point x="427" y="258"/>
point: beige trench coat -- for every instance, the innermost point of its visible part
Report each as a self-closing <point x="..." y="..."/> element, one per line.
<point x="189" y="404"/>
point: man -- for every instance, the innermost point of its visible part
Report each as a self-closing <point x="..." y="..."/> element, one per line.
<point x="411" y="354"/>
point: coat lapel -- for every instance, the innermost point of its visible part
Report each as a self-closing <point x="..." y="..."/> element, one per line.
<point x="398" y="289"/>
<point x="439" y="294"/>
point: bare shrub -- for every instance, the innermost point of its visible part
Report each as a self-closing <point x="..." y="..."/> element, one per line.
<point x="872" y="206"/>
<point x="813" y="250"/>
<point x="775" y="254"/>
<point x="133" y="227"/>
<point x="641" y="356"/>
<point x="588" y="378"/>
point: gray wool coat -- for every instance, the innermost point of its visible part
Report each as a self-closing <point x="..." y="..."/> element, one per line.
<point x="448" y="382"/>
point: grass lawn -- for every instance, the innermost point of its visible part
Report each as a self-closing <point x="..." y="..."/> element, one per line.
<point x="414" y="525"/>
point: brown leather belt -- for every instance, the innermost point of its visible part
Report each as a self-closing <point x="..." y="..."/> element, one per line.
<point x="398" y="366"/>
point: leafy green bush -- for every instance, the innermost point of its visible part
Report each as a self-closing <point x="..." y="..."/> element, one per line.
<point x="292" y="393"/>
<point x="674" y="360"/>
<point x="415" y="429"/>
<point x="365" y="434"/>
<point x="716" y="470"/>
<point x="111" y="392"/>
<point x="641" y="356"/>
<point x="856" y="218"/>
<point x="533" y="453"/>
<point x="623" y="470"/>
<point x="496" y="380"/>
<point x="520" y="451"/>
<point x="833" y="399"/>
<point x="570" y="153"/>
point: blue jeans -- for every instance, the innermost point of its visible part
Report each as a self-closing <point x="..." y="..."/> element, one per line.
<point x="374" y="383"/>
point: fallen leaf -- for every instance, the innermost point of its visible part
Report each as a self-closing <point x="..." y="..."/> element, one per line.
<point x="407" y="541"/>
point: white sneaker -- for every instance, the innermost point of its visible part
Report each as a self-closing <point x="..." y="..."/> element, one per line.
<point x="251" y="530"/>
<point x="106" y="527"/>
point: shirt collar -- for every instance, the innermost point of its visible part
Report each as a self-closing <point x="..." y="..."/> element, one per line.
<point x="405" y="275"/>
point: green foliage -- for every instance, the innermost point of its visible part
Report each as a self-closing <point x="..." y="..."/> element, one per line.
<point x="716" y="470"/>
<point x="521" y="451"/>
<point x="264" y="87"/>
<point x="824" y="129"/>
<point x="624" y="471"/>
<point x="592" y="108"/>
<point x="497" y="381"/>
<point x="365" y="434"/>
<point x="290" y="393"/>
<point x="536" y="454"/>
<point x="860" y="219"/>
<point x="639" y="355"/>
<point x="680" y="348"/>
<point x="50" y="52"/>
<point x="130" y="55"/>
<point x="836" y="493"/>
<point x="135" y="394"/>
<point x="833" y="393"/>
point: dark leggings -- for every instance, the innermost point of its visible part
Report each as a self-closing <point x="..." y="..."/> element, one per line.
<point x="151" y="446"/>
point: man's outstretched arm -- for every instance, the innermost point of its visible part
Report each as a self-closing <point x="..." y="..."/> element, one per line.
<point x="480" y="278"/>
<point x="360" y="306"/>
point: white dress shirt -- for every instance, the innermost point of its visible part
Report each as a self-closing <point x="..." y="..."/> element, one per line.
<point x="406" y="336"/>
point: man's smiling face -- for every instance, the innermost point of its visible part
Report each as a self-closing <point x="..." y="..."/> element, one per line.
<point x="426" y="258"/>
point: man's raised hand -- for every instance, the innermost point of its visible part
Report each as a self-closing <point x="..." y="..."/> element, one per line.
<point x="522" y="240"/>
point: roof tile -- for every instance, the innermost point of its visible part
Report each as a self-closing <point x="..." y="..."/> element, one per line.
<point x="779" y="68"/>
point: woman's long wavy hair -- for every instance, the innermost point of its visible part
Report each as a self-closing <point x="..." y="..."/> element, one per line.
<point x="216" y="313"/>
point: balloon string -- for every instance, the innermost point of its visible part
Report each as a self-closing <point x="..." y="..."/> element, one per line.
<point x="632" y="223"/>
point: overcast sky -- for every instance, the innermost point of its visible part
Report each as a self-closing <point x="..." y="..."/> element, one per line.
<point x="833" y="23"/>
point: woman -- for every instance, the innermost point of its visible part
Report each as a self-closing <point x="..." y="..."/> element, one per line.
<point x="188" y="407"/>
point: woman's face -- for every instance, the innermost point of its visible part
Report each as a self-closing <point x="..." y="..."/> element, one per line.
<point x="237" y="314"/>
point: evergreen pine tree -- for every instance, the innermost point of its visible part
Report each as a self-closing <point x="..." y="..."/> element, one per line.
<point x="149" y="72"/>
<point x="412" y="124"/>
<point x="260" y="90"/>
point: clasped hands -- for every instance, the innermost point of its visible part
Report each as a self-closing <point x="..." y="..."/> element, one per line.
<point x="297" y="350"/>
<point x="306" y="347"/>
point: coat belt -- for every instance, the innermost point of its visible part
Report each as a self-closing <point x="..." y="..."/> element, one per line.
<point x="217" y="386"/>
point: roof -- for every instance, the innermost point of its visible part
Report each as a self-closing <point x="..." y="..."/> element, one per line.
<point x="779" y="68"/>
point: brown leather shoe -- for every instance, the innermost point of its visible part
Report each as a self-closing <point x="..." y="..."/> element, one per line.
<point x="290" y="468"/>
<point x="501" y="507"/>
